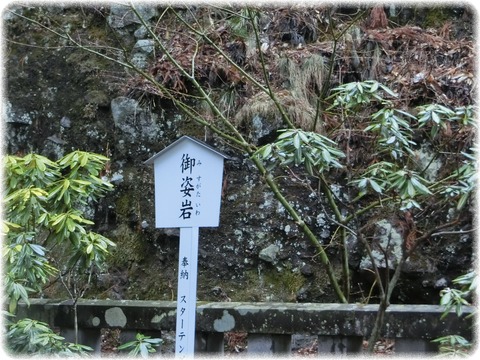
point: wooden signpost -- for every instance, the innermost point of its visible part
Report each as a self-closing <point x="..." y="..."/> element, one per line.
<point x="188" y="185"/>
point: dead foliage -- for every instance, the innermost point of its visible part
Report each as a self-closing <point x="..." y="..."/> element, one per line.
<point x="426" y="66"/>
<point x="377" y="19"/>
<point x="295" y="25"/>
<point x="421" y="65"/>
<point x="297" y="108"/>
<point x="383" y="347"/>
<point x="235" y="342"/>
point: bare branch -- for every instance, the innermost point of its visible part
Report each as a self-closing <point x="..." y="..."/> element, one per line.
<point x="460" y="232"/>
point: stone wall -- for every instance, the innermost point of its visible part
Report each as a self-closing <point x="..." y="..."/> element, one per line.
<point x="270" y="327"/>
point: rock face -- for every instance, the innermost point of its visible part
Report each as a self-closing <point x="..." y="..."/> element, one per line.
<point x="269" y="254"/>
<point x="65" y="99"/>
<point x="388" y="241"/>
<point x="134" y="126"/>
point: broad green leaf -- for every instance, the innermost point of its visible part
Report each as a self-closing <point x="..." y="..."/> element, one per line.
<point x="463" y="200"/>
<point x="82" y="182"/>
<point x="419" y="186"/>
<point x="41" y="165"/>
<point x="326" y="156"/>
<point x="303" y="136"/>
<point x="375" y="186"/>
<point x="57" y="219"/>
<point x="296" y="141"/>
<point x="308" y="167"/>
<point x="42" y="219"/>
<point x="89" y="248"/>
<point x="359" y="87"/>
<point x="371" y="127"/>
<point x="399" y="183"/>
<point x="391" y="140"/>
<point x="66" y="184"/>
<point x="266" y="151"/>
<point x="410" y="189"/>
<point x="40" y="250"/>
<point x="143" y="350"/>
<point x="126" y="345"/>
<point x="298" y="156"/>
<point x="362" y="183"/>
<point x="80" y="219"/>
<point x="70" y="224"/>
<point x="84" y="159"/>
<point x="284" y="134"/>
<point x="388" y="90"/>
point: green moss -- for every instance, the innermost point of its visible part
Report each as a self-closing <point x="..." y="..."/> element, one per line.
<point x="160" y="291"/>
<point x="436" y="16"/>
<point x="130" y="247"/>
<point x="159" y="286"/>
<point x="190" y="127"/>
<point x="123" y="206"/>
<point x="268" y="285"/>
<point x="284" y="285"/>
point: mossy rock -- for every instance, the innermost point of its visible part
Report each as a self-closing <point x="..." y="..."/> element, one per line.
<point x="130" y="247"/>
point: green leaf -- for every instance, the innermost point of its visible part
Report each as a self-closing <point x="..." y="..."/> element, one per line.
<point x="362" y="183"/>
<point x="39" y="250"/>
<point x="82" y="182"/>
<point x="375" y="186"/>
<point x="410" y="189"/>
<point x="57" y="219"/>
<point x="154" y="341"/>
<point x="303" y="137"/>
<point x="326" y="156"/>
<point x="21" y="292"/>
<point x="144" y="350"/>
<point x="70" y="224"/>
<point x="388" y="91"/>
<point x="309" y="167"/>
<point x="42" y="219"/>
<point x="410" y="204"/>
<point x="266" y="151"/>
<point x="371" y="127"/>
<point x="419" y="186"/>
<point x="359" y="87"/>
<point x="66" y="184"/>
<point x="298" y="156"/>
<point x="296" y="141"/>
<point x="398" y="183"/>
<point x="83" y="159"/>
<point x="391" y="140"/>
<point x="405" y="114"/>
<point x="126" y="345"/>
<point x="284" y="134"/>
<point x="463" y="200"/>
<point x="40" y="165"/>
<point x="80" y="219"/>
<point x="89" y="249"/>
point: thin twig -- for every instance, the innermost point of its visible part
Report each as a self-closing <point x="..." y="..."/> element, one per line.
<point x="460" y="232"/>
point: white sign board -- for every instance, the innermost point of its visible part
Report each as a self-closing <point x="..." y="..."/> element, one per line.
<point x="188" y="184"/>
<point x="188" y="187"/>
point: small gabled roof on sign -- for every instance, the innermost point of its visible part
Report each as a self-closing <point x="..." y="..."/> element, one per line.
<point x="182" y="139"/>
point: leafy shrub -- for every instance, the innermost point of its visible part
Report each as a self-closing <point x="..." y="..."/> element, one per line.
<point x="45" y="207"/>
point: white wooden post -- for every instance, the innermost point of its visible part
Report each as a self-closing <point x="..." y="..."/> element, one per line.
<point x="187" y="291"/>
<point x="188" y="187"/>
